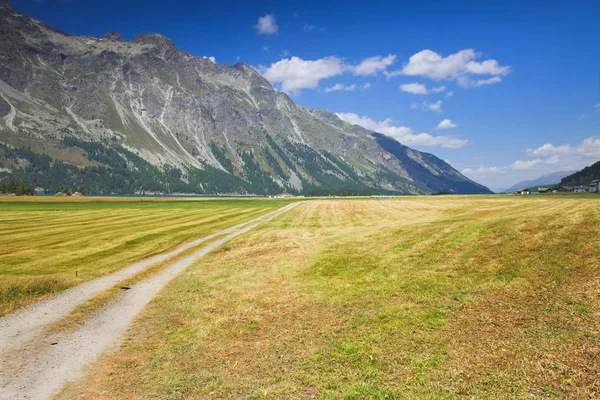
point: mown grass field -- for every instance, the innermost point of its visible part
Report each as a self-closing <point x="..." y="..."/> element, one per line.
<point x="437" y="297"/>
<point x="50" y="244"/>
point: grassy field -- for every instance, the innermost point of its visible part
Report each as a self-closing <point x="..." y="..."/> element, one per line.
<point x="49" y="244"/>
<point x="437" y="297"/>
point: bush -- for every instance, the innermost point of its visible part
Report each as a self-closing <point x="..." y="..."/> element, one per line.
<point x="18" y="187"/>
<point x="64" y="189"/>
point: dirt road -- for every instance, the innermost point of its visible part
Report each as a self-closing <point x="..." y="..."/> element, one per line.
<point x="34" y="365"/>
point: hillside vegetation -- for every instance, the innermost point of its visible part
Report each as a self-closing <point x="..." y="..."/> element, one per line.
<point x="584" y="176"/>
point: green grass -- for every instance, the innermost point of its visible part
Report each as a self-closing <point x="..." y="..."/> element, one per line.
<point x="104" y="203"/>
<point x="438" y="297"/>
<point x="48" y="246"/>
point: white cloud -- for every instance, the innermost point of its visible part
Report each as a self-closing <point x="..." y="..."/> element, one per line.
<point x="449" y="94"/>
<point x="597" y="105"/>
<point x="489" y="81"/>
<point x="403" y="134"/>
<point x="590" y="148"/>
<point x="211" y="58"/>
<point x="367" y="85"/>
<point x="459" y="66"/>
<point x="549" y="149"/>
<point x="339" y="87"/>
<point x="481" y="170"/>
<point x="308" y="27"/>
<point x="267" y="25"/>
<point x="437" y="106"/>
<point x="414" y="88"/>
<point x="487" y="67"/>
<point x="446" y="124"/>
<point x="543" y="160"/>
<point x="432" y="65"/>
<point x="419" y="88"/>
<point x="294" y="74"/>
<point x="386" y="126"/>
<point x="518" y="165"/>
<point x="373" y="65"/>
<point x="265" y="49"/>
<point x="525" y="164"/>
<point x="390" y="75"/>
<point x="586" y="151"/>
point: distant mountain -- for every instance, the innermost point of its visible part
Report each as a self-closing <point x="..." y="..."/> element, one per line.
<point x="584" y="176"/>
<point x="548" y="179"/>
<point x="120" y="116"/>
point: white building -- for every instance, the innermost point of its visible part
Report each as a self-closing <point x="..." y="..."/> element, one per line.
<point x="579" y="189"/>
<point x="594" y="186"/>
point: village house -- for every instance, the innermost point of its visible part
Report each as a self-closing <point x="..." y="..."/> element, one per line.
<point x="579" y="189"/>
<point x="594" y="186"/>
<point x="544" y="190"/>
<point x="562" y="189"/>
<point x="522" y="191"/>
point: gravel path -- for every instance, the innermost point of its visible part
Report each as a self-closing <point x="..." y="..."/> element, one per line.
<point x="34" y="365"/>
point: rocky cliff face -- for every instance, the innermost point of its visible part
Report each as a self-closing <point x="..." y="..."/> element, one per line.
<point x="151" y="101"/>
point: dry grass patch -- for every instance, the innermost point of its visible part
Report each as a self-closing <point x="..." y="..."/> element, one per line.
<point x="539" y="339"/>
<point x="98" y="302"/>
<point x="362" y="299"/>
<point x="47" y="247"/>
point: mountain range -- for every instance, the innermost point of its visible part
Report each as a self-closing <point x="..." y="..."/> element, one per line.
<point x="119" y="116"/>
<point x="547" y="179"/>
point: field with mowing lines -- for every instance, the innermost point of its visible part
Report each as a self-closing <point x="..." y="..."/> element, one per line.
<point x="437" y="297"/>
<point x="50" y="244"/>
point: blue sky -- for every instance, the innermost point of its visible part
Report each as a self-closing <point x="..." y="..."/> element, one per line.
<point x="502" y="90"/>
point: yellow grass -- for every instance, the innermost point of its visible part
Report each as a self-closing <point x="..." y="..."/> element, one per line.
<point x="440" y="297"/>
<point x="98" y="302"/>
<point x="48" y="245"/>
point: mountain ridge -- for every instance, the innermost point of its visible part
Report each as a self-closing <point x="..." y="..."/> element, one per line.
<point x="584" y="176"/>
<point x="547" y="179"/>
<point x="146" y="102"/>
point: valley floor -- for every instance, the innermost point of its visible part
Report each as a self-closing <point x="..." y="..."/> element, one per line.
<point x="41" y="350"/>
<point x="415" y="297"/>
<point x="50" y="244"/>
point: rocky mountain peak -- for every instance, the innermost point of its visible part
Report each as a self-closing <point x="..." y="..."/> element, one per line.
<point x="113" y="36"/>
<point x="6" y="7"/>
<point x="241" y="66"/>
<point x="250" y="73"/>
<point x="154" y="39"/>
